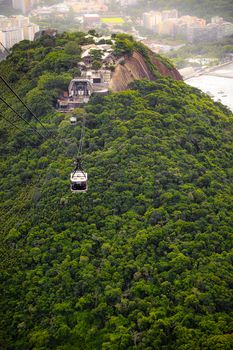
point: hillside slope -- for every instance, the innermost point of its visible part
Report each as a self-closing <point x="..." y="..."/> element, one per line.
<point x="143" y="260"/>
<point x="136" y="67"/>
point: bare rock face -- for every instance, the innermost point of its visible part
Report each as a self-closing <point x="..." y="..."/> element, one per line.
<point x="164" y="70"/>
<point x="135" y="67"/>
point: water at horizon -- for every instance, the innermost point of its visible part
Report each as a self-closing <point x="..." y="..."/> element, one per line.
<point x="220" y="88"/>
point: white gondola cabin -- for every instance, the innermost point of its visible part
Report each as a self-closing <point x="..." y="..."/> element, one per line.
<point x="73" y="120"/>
<point x="78" y="181"/>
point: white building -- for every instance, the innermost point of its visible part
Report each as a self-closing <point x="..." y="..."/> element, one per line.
<point x="19" y="21"/>
<point x="151" y="19"/>
<point x="30" y="31"/>
<point x="4" y="22"/>
<point x="166" y="14"/>
<point x="11" y="36"/>
<point x="14" y="29"/>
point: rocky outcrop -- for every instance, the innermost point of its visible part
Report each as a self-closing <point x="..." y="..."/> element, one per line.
<point x="163" y="69"/>
<point x="135" y="67"/>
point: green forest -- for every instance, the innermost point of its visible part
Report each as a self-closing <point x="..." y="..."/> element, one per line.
<point x="141" y="261"/>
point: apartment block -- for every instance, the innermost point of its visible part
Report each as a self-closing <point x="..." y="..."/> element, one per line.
<point x="211" y="32"/>
<point x="16" y="28"/>
<point x="167" y="27"/>
<point x="166" y="14"/>
<point x="151" y="19"/>
<point x="11" y="36"/>
<point x="30" y="31"/>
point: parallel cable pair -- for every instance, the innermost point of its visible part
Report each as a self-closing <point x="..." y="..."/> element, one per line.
<point x="21" y="117"/>
<point x="24" y="104"/>
<point x="81" y="141"/>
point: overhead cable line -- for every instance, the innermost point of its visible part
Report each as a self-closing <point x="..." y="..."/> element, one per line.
<point x="10" y="122"/>
<point x="4" y="47"/>
<point x="29" y="110"/>
<point x="16" y="127"/>
<point x="21" y="117"/>
<point x="80" y="148"/>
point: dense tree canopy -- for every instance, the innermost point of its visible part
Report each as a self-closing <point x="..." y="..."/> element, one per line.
<point x="143" y="260"/>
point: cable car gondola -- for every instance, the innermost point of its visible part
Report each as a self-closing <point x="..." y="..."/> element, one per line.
<point x="78" y="179"/>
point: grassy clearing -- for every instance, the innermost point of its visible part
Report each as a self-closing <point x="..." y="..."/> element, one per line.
<point x="112" y="20"/>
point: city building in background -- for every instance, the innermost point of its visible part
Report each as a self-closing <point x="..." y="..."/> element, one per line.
<point x="191" y="28"/>
<point x="91" y="20"/>
<point x="83" y="6"/>
<point x="157" y="21"/>
<point x="14" y="29"/>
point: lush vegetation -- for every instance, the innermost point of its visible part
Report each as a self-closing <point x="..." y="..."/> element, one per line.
<point x="144" y="259"/>
<point x="125" y="45"/>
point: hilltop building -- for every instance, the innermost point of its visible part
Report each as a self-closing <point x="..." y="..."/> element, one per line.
<point x="80" y="89"/>
<point x="91" y="82"/>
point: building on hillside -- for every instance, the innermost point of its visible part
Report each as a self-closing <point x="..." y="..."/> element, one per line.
<point x="99" y="79"/>
<point x="82" y="88"/>
<point x="104" y="49"/>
